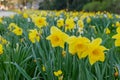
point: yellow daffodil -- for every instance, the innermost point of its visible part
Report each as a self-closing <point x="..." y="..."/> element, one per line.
<point x="60" y="22"/>
<point x="57" y="37"/>
<point x="25" y="15"/>
<point x="117" y="24"/>
<point x="69" y="24"/>
<point x="96" y="51"/>
<point x="3" y="41"/>
<point x="78" y="45"/>
<point x="57" y="73"/>
<point x="117" y="37"/>
<point x="34" y="36"/>
<point x="40" y="22"/>
<point x="12" y="26"/>
<point x="43" y="68"/>
<point x="80" y="23"/>
<point x="18" y="31"/>
<point x="107" y="30"/>
<point x="0" y="20"/>
<point x="1" y="49"/>
<point x="88" y="20"/>
<point x="15" y="29"/>
<point x="117" y="41"/>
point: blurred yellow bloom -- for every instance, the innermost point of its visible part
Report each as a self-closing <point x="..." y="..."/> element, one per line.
<point x="15" y="29"/>
<point x="34" y="36"/>
<point x="78" y="45"/>
<point x="69" y="24"/>
<point x="57" y="37"/>
<point x="25" y="15"/>
<point x="88" y="20"/>
<point x="18" y="31"/>
<point x="43" y="68"/>
<point x="117" y="41"/>
<point x="3" y="41"/>
<point x="117" y="24"/>
<point x="40" y="22"/>
<point x="63" y="53"/>
<point x="117" y="37"/>
<point x="118" y="30"/>
<point x="80" y="23"/>
<point x="1" y="49"/>
<point x="96" y="51"/>
<point x="107" y="30"/>
<point x="0" y="20"/>
<point x="57" y="73"/>
<point x="60" y="22"/>
<point x="109" y="15"/>
<point x="12" y="26"/>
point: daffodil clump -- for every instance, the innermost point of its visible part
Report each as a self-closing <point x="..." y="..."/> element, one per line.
<point x="15" y="29"/>
<point x="60" y="45"/>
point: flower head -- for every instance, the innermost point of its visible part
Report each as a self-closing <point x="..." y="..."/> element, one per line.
<point x="18" y="31"/>
<point x="80" y="23"/>
<point x="117" y="37"/>
<point x="96" y="51"/>
<point x="88" y="20"/>
<point x="57" y="73"/>
<point x="40" y="21"/>
<point x="60" y="22"/>
<point x="34" y="36"/>
<point x="69" y="24"/>
<point x="57" y="37"/>
<point x="107" y="30"/>
<point x="3" y="40"/>
<point x="78" y="45"/>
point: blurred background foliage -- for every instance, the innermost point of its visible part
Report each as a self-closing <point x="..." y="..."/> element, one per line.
<point x="86" y="5"/>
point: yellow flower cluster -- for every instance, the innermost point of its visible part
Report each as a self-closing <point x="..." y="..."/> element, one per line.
<point x="15" y="29"/>
<point x="78" y="45"/>
<point x="83" y="47"/>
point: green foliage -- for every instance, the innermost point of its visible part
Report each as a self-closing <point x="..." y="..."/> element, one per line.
<point x="105" y="5"/>
<point x="64" y="4"/>
<point x="93" y="6"/>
